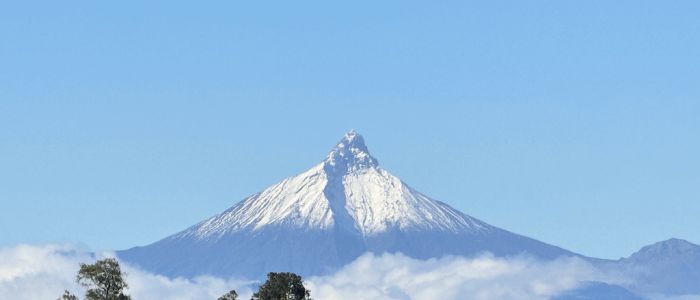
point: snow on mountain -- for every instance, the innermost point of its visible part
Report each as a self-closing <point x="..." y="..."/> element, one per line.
<point x="325" y="217"/>
<point x="348" y="191"/>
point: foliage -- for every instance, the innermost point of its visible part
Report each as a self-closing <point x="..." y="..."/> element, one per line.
<point x="103" y="279"/>
<point x="282" y="286"/>
<point x="67" y="296"/>
<point x="232" y="295"/>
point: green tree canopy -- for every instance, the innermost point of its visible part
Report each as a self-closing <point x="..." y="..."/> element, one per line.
<point x="103" y="279"/>
<point x="231" y="295"/>
<point x="67" y="296"/>
<point x="282" y="286"/>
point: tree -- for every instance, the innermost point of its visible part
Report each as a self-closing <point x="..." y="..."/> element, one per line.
<point x="232" y="295"/>
<point x="67" y="296"/>
<point x="282" y="286"/>
<point x="103" y="279"/>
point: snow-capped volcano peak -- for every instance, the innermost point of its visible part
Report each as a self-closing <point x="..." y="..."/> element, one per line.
<point x="350" y="154"/>
<point x="324" y="218"/>
<point x="348" y="191"/>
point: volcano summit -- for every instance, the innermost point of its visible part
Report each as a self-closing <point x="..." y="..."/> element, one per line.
<point x="317" y="221"/>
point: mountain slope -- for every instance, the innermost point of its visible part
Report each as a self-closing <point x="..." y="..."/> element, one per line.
<point x="321" y="219"/>
<point x="668" y="267"/>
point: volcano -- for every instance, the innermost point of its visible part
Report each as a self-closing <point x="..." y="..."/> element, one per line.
<point x="319" y="220"/>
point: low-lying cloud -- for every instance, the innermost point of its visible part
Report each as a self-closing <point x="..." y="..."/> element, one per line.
<point x="43" y="272"/>
<point x="395" y="276"/>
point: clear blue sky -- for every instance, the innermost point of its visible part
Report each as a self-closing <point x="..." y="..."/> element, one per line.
<point x="576" y="123"/>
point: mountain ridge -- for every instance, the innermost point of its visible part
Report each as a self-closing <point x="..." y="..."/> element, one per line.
<point x="669" y="267"/>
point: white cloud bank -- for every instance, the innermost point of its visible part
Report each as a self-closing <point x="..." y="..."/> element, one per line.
<point x="399" y="277"/>
<point x="43" y="272"/>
